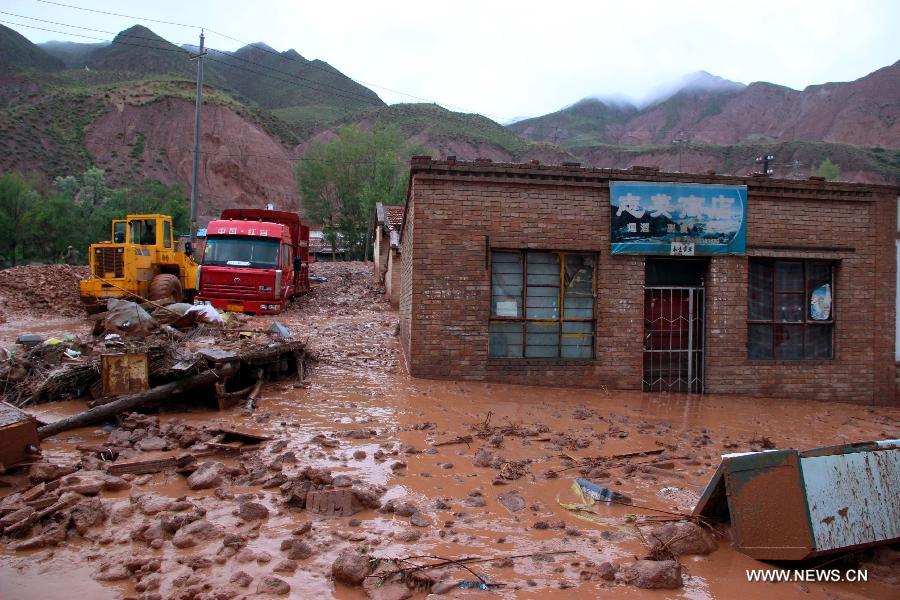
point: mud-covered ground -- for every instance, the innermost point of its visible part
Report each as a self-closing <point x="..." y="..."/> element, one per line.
<point x="362" y="424"/>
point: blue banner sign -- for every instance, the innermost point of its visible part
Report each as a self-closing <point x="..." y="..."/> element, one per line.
<point x="678" y="219"/>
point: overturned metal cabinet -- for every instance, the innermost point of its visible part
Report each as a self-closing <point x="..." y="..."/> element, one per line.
<point x="792" y="505"/>
<point x="18" y="436"/>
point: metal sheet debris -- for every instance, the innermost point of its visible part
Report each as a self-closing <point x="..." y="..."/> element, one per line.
<point x="18" y="436"/>
<point x="793" y="505"/>
<point x="125" y="373"/>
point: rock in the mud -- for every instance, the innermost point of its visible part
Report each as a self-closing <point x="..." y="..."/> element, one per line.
<point x="685" y="537"/>
<point x="475" y="501"/>
<point x="45" y="471"/>
<point x="386" y="591"/>
<point x="252" y="511"/>
<point x="296" y="549"/>
<point x="605" y="571"/>
<point x="400" y="507"/>
<point x="483" y="458"/>
<point x="150" y="504"/>
<point x="419" y="520"/>
<point x="581" y="413"/>
<point x="151" y="443"/>
<point x="341" y="502"/>
<point x="512" y="501"/>
<point x="198" y="531"/>
<point x="652" y="574"/>
<point x="286" y="566"/>
<point x="241" y="578"/>
<point x="121" y="513"/>
<point x="350" y="567"/>
<point x="111" y="570"/>
<point x="295" y="491"/>
<point x="208" y="475"/>
<point x="16" y="516"/>
<point x="87" y="513"/>
<point x="305" y="527"/>
<point x="408" y="535"/>
<point x="273" y="585"/>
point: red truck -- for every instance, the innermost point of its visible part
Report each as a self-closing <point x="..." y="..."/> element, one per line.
<point x="254" y="261"/>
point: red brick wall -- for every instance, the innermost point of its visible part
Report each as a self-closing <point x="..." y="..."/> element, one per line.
<point x="445" y="283"/>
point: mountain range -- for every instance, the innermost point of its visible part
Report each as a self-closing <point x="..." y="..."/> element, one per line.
<point x="127" y="106"/>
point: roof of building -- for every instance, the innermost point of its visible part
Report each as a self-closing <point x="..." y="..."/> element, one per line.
<point x="319" y="244"/>
<point x="393" y="217"/>
<point x="572" y="173"/>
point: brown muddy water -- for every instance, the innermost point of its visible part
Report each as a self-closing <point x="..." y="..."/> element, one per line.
<point x="358" y="387"/>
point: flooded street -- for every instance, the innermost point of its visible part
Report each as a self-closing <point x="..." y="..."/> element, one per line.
<point x="472" y="470"/>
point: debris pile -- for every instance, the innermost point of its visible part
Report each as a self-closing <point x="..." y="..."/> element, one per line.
<point x="351" y="323"/>
<point x="57" y="369"/>
<point x="41" y="290"/>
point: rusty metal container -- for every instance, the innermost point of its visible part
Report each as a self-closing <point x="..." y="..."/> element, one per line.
<point x="793" y="505"/>
<point x="126" y="373"/>
<point x="18" y="431"/>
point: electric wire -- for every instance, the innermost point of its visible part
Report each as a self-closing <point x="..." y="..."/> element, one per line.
<point x="273" y="52"/>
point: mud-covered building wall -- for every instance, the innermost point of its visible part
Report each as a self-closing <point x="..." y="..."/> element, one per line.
<point x="458" y="213"/>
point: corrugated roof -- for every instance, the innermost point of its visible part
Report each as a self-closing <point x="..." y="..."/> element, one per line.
<point x="393" y="216"/>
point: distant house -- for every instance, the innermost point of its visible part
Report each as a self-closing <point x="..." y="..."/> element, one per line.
<point x="386" y="251"/>
<point x="321" y="249"/>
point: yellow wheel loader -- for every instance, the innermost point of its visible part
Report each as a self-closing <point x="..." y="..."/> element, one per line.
<point x="141" y="261"/>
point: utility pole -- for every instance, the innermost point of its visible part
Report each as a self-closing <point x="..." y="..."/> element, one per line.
<point x="764" y="161"/>
<point x="681" y="141"/>
<point x="199" y="103"/>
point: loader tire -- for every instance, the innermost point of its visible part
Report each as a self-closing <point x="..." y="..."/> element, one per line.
<point x="166" y="286"/>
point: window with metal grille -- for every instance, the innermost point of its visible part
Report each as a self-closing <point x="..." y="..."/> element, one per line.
<point x="542" y="305"/>
<point x="790" y="314"/>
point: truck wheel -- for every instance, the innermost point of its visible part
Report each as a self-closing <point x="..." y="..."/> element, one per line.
<point x="164" y="287"/>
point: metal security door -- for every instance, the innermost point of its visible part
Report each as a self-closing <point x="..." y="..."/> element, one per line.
<point x="673" y="339"/>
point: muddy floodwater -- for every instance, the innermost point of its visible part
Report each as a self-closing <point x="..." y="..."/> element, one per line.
<point x="363" y="417"/>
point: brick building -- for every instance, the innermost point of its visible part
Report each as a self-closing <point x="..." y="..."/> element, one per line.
<point x="386" y="249"/>
<point x="637" y="279"/>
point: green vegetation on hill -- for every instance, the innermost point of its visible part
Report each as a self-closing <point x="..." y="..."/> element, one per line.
<point x="583" y="123"/>
<point x="17" y="53"/>
<point x="74" y="55"/>
<point x="281" y="80"/>
<point x="438" y="123"/>
<point x="139" y="50"/>
<point x="45" y="132"/>
<point x="739" y="158"/>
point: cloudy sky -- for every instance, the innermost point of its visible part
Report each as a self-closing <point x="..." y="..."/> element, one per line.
<point x="523" y="58"/>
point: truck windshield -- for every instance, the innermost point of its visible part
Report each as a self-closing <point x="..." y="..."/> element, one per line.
<point x="241" y="252"/>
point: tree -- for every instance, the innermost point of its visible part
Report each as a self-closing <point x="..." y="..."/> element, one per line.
<point x="828" y="170"/>
<point x="342" y="180"/>
<point x="76" y="212"/>
<point x="17" y="211"/>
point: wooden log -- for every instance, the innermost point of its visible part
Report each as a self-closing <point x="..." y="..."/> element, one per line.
<point x="134" y="401"/>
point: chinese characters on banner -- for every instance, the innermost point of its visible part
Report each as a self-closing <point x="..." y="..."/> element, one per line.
<point x="678" y="219"/>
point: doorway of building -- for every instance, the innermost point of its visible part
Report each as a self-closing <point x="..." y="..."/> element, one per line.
<point x="673" y="325"/>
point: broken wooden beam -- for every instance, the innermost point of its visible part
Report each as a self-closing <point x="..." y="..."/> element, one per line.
<point x="134" y="401"/>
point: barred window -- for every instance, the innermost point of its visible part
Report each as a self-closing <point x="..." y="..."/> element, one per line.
<point x="542" y="305"/>
<point x="790" y="310"/>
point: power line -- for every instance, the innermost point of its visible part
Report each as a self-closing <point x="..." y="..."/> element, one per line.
<point x="270" y="51"/>
<point x="313" y="85"/>
<point x="103" y="12"/>
<point x="91" y="37"/>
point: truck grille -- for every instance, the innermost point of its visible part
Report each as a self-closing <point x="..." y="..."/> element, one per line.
<point x="229" y="290"/>
<point x="109" y="260"/>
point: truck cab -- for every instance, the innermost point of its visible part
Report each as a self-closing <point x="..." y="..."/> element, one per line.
<point x="253" y="266"/>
